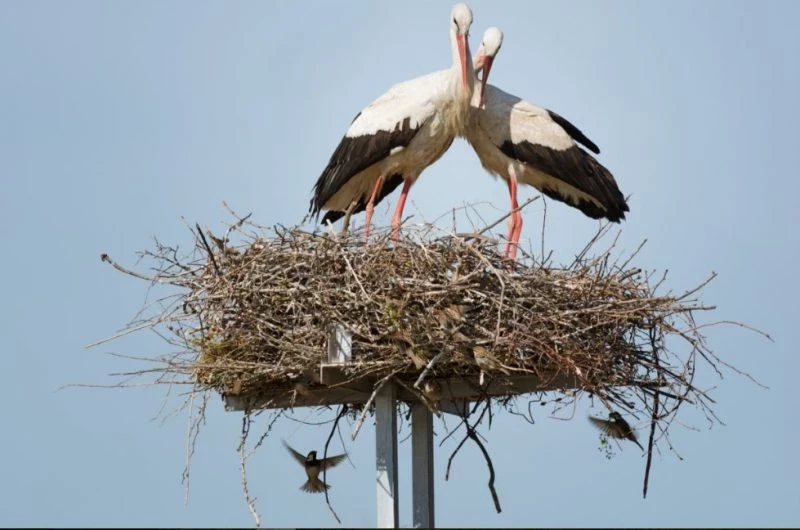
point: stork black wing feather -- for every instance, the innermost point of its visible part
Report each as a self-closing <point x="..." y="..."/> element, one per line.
<point x="575" y="133"/>
<point x="353" y="155"/>
<point x="577" y="169"/>
<point x="389" y="185"/>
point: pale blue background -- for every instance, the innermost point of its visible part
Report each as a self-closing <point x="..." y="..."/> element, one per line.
<point x="118" y="119"/>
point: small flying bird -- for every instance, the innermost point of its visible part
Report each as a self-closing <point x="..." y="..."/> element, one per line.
<point x="486" y="362"/>
<point x="616" y="427"/>
<point x="395" y="138"/>
<point x="314" y="467"/>
<point x="521" y="142"/>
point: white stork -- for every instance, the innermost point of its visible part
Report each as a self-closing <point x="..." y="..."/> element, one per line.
<point x="398" y="135"/>
<point x="524" y="143"/>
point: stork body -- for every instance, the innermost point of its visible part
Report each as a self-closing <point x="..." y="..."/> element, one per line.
<point x="397" y="136"/>
<point x="523" y="143"/>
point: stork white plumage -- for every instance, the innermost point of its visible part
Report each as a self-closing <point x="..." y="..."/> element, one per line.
<point x="399" y="135"/>
<point x="522" y="142"/>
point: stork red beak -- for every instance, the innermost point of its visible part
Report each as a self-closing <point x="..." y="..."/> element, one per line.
<point x="462" y="55"/>
<point x="487" y="65"/>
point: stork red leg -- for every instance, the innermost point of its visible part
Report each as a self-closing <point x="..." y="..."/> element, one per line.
<point x="515" y="235"/>
<point x="515" y="221"/>
<point x="398" y="211"/>
<point x="511" y="220"/>
<point x="371" y="206"/>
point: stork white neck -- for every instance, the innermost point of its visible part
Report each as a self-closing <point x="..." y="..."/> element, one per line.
<point x="462" y="74"/>
<point x="492" y="40"/>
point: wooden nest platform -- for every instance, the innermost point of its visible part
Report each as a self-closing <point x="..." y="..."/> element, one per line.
<point x="285" y="318"/>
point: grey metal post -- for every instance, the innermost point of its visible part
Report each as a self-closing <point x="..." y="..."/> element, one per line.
<point x="340" y="344"/>
<point x="386" y="456"/>
<point x="422" y="465"/>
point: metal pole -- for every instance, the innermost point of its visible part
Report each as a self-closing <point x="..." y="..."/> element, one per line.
<point x="422" y="465"/>
<point x="386" y="456"/>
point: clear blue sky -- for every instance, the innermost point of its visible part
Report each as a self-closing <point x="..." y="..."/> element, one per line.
<point x="117" y="119"/>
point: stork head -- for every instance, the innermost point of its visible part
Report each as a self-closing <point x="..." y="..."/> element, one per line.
<point x="461" y="20"/>
<point x="492" y="40"/>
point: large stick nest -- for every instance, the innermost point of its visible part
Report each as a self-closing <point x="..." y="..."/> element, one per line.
<point x="254" y="318"/>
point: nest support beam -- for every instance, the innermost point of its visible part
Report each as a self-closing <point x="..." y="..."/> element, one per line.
<point x="422" y="465"/>
<point x="388" y="502"/>
<point x="338" y="386"/>
<point x="457" y="394"/>
<point x="386" y="456"/>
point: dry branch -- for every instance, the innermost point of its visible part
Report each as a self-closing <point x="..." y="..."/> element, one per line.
<point x="252" y="317"/>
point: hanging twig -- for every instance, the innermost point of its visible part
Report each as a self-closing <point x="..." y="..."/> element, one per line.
<point x="474" y="438"/>
<point x="192" y="431"/>
<point x="251" y="502"/>
<point x="471" y="434"/>
<point x="340" y="415"/>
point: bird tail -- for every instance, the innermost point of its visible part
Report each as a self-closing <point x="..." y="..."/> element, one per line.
<point x="314" y="485"/>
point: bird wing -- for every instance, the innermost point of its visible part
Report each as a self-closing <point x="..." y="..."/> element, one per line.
<point x="297" y="456"/>
<point x="331" y="461"/>
<point x="508" y="117"/>
<point x="564" y="172"/>
<point x="575" y="133"/>
<point x="390" y="183"/>
<point x="388" y="123"/>
<point x="603" y="425"/>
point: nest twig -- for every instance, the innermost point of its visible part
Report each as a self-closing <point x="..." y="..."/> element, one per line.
<point x="252" y="318"/>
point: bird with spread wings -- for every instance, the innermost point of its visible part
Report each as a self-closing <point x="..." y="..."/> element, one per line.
<point x="616" y="427"/>
<point x="313" y="467"/>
